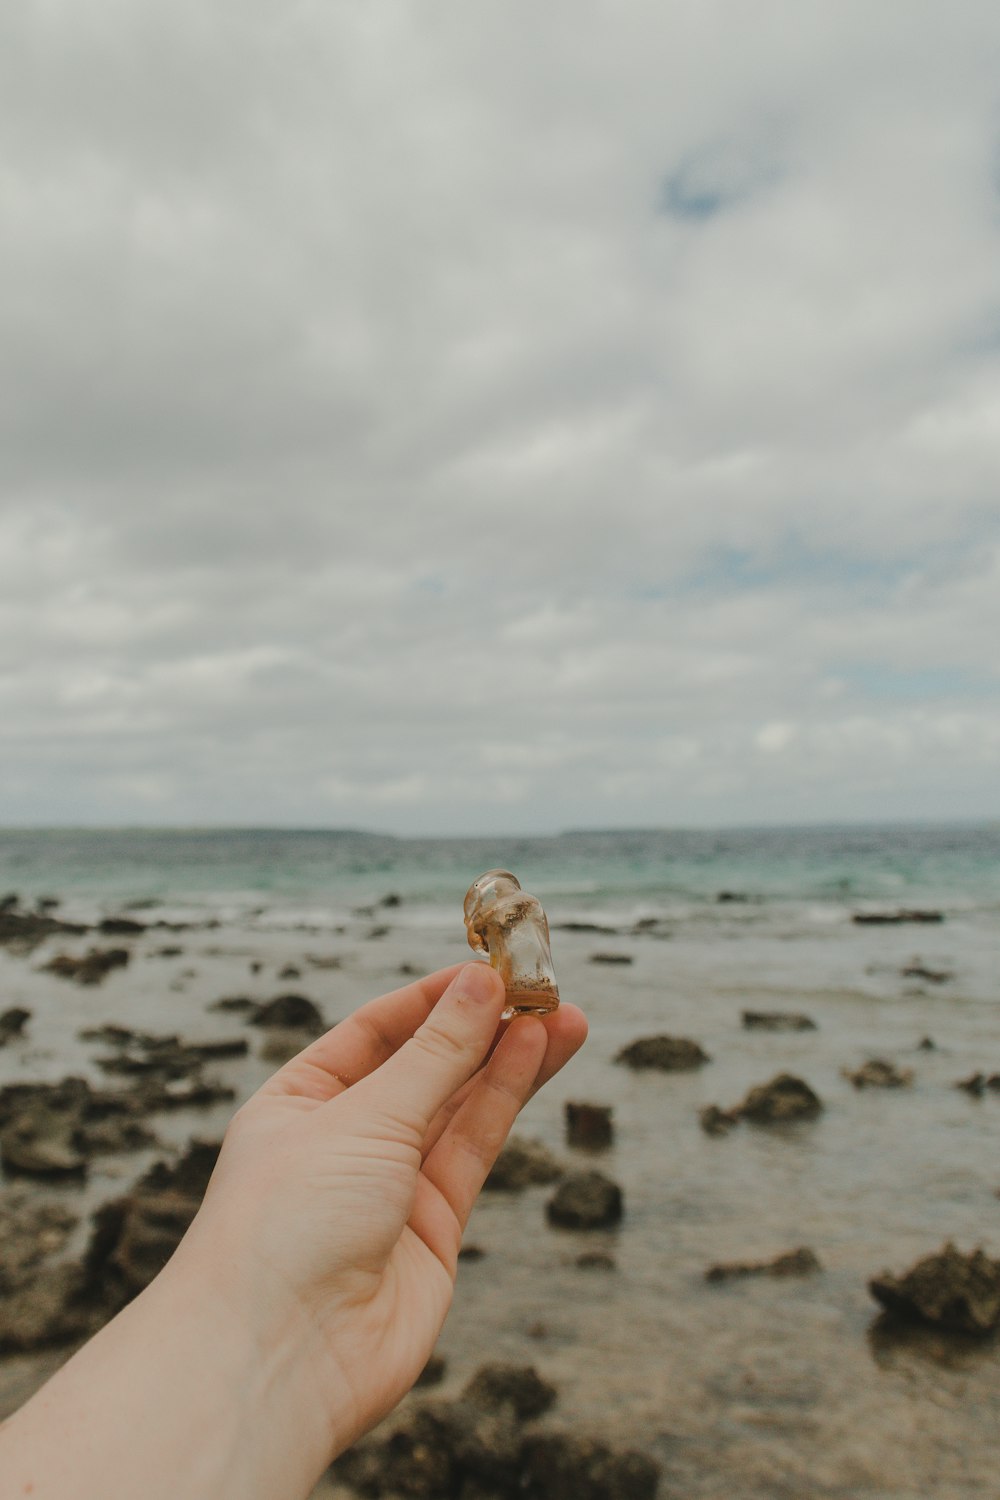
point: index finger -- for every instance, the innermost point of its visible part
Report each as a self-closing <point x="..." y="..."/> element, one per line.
<point x="358" y="1045"/>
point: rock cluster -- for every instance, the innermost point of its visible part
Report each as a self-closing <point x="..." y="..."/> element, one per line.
<point x="589" y="1126"/>
<point x="783" y="1100"/>
<point x="478" y="1448"/>
<point x="131" y="1240"/>
<point x="801" y="1262"/>
<point x="777" y="1020"/>
<point x="585" y="1200"/>
<point x="91" y="967"/>
<point x="879" y="1074"/>
<point x="670" y="1054"/>
<point x="523" y="1163"/>
<point x="955" y="1292"/>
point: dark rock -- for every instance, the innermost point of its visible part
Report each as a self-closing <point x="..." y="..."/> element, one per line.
<point x="30" y="1232"/>
<point x="323" y="960"/>
<point x="784" y="1098"/>
<point x="931" y="976"/>
<point x="801" y="1262"/>
<point x="954" y="1292"/>
<point x="472" y="1252"/>
<point x="91" y="968"/>
<point x="133" y="1237"/>
<point x="894" y="918"/>
<point x="433" y="1372"/>
<point x="436" y="1448"/>
<point x="29" y="1149"/>
<point x="610" y="958"/>
<point x="671" y="1054"/>
<point x="391" y="900"/>
<point x="927" y="1044"/>
<point x="12" y="1023"/>
<point x="518" y="1386"/>
<point x="171" y="951"/>
<point x="727" y="897"/>
<point x="25" y="929"/>
<point x="716" y="1121"/>
<point x="236" y="1003"/>
<point x="255" y="966"/>
<point x="521" y="1164"/>
<point x="584" y="927"/>
<point x="409" y="971"/>
<point x="563" y="1466"/>
<point x="974" y="1085"/>
<point x="293" y="1012"/>
<point x="588" y="1125"/>
<point x="121" y="927"/>
<point x="164" y="1057"/>
<point x="585" y="1200"/>
<point x="290" y="972"/>
<point x="377" y="932"/>
<point x="50" y="1129"/>
<point x="596" y="1260"/>
<point x="182" y="1093"/>
<point x="879" y="1074"/>
<point x="777" y="1020"/>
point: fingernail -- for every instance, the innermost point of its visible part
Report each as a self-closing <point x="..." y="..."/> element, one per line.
<point x="476" y="982"/>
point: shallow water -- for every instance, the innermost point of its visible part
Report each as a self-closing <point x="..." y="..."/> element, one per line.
<point x="759" y="1388"/>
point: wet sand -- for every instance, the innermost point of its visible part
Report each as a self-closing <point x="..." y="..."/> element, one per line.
<point x="762" y="1388"/>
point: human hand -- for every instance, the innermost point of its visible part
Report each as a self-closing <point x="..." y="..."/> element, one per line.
<point x="335" y="1215"/>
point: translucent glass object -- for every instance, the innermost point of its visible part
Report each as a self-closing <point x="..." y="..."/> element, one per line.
<point x="510" y="926"/>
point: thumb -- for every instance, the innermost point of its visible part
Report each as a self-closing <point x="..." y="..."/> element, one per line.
<point x="443" y="1053"/>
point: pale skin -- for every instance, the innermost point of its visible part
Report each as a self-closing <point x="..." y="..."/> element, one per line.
<point x="310" y="1290"/>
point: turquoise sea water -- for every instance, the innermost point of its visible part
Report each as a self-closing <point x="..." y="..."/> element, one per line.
<point x="623" y="871"/>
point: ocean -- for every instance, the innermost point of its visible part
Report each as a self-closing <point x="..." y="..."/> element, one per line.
<point x="768" y="1389"/>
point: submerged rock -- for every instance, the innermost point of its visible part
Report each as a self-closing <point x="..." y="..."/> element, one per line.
<point x="91" y="968"/>
<point x="716" y="1121"/>
<point x="588" y="1126"/>
<point x="291" y="1012"/>
<point x="12" y="1023"/>
<point x="610" y="958"/>
<point x="121" y="927"/>
<point x="977" y="1083"/>
<point x="131" y="1240"/>
<point x="930" y="976"/>
<point x="955" y="1292"/>
<point x="518" y="1386"/>
<point x="777" y="1020"/>
<point x="565" y="1466"/>
<point x="24" y="929"/>
<point x="801" y="1262"/>
<point x="476" y="1448"/>
<point x="51" y="1129"/>
<point x="585" y="1200"/>
<point x="879" y="1074"/>
<point x="671" y="1054"/>
<point x="894" y="918"/>
<point x="523" y="1163"/>
<point x="784" y="1098"/>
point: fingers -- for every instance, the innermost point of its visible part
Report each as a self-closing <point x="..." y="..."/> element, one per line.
<point x="362" y="1042"/>
<point x="459" y="1163"/>
<point x="566" y="1032"/>
<point x="443" y="1053"/>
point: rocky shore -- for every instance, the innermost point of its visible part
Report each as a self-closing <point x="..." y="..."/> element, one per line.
<point x="684" y="1287"/>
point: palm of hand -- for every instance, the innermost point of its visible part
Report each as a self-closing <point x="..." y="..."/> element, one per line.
<point x="349" y="1177"/>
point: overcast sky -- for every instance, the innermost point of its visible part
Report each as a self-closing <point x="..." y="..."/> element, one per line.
<point x="460" y="416"/>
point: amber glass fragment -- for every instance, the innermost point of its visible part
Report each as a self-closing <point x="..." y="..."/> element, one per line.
<point x="510" y="926"/>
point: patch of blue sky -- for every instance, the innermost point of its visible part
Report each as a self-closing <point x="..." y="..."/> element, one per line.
<point x="683" y="199"/>
<point x="726" y="569"/>
<point x="883" y="683"/>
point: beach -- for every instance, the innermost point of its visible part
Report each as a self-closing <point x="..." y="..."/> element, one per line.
<point x="762" y="1386"/>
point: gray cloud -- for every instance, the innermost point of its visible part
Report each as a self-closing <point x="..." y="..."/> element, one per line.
<point x="474" y="417"/>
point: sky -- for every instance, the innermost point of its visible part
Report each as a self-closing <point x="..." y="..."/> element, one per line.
<point x="484" y="416"/>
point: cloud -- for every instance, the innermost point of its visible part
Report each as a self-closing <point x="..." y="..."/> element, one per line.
<point x="488" y="417"/>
